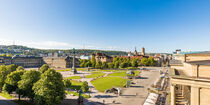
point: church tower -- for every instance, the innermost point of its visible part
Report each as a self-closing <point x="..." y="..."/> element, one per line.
<point x="135" y="52"/>
<point x="143" y="51"/>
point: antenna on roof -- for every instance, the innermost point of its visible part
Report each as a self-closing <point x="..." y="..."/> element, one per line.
<point x="13" y="42"/>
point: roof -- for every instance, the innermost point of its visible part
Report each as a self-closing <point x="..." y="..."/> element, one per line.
<point x="206" y="53"/>
<point x="203" y="62"/>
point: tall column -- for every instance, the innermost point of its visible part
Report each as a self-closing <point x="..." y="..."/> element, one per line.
<point x="173" y="97"/>
<point x="73" y="63"/>
<point x="195" y="96"/>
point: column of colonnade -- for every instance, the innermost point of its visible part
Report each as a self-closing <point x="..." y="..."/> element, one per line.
<point x="195" y="95"/>
<point x="173" y="95"/>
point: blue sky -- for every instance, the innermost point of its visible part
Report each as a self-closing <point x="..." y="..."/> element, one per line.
<point x="157" y="25"/>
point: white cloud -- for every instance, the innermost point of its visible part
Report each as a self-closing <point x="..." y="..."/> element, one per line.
<point x="54" y="45"/>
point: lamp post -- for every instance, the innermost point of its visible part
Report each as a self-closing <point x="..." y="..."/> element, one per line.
<point x="73" y="64"/>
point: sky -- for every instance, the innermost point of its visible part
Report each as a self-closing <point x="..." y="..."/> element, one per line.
<point x="157" y="25"/>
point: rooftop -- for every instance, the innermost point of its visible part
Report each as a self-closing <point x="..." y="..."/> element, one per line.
<point x="203" y="62"/>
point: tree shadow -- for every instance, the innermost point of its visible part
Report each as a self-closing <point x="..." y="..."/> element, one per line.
<point x="7" y="102"/>
<point x="141" y="77"/>
<point x="69" y="102"/>
<point x="104" y="96"/>
<point x="137" y="86"/>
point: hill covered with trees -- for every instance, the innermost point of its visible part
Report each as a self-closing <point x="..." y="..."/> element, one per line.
<point x="23" y="50"/>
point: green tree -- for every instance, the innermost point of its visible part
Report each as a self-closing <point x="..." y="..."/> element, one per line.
<point x="123" y="65"/>
<point x="44" y="68"/>
<point x="144" y="61"/>
<point x="104" y="65"/>
<point x="110" y="65"/>
<point x="87" y="64"/>
<point x="49" y="90"/>
<point x="11" y="82"/>
<point x="9" y="55"/>
<point x="28" y="79"/>
<point x="151" y="61"/>
<point x="11" y="67"/>
<point x="93" y="61"/>
<point x="3" y="74"/>
<point x="116" y="65"/>
<point x="3" y="55"/>
<point x="67" y="83"/>
<point x="85" y="87"/>
<point x="82" y="64"/>
<point x="115" y="59"/>
<point x="134" y="63"/>
<point x="98" y="65"/>
<point x="20" y="68"/>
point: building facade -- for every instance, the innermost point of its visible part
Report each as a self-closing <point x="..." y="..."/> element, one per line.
<point x="60" y="62"/>
<point x="101" y="57"/>
<point x="27" y="62"/>
<point x="190" y="79"/>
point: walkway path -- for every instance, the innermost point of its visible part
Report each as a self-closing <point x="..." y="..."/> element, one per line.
<point x="4" y="101"/>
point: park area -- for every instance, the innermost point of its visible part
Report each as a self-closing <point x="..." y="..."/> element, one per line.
<point x="100" y="79"/>
<point x="97" y="85"/>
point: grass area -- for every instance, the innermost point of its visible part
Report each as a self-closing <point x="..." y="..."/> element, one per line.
<point x="137" y="73"/>
<point x="104" y="83"/>
<point x="22" y="102"/>
<point x="76" y="84"/>
<point x="6" y="95"/>
<point x="73" y="77"/>
<point x="95" y="74"/>
<point x="77" y="94"/>
<point x="121" y="74"/>
<point x="82" y="69"/>
<point x="64" y="70"/>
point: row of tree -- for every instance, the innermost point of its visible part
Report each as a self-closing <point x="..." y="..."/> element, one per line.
<point x="118" y="62"/>
<point x="44" y="87"/>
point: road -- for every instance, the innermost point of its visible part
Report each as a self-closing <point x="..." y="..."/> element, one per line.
<point x="4" y="101"/>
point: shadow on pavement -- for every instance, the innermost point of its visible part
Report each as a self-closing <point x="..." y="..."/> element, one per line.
<point x="104" y="96"/>
<point x="137" y="86"/>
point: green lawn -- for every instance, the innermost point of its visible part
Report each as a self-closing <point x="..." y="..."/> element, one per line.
<point x="76" y="84"/>
<point x="105" y="83"/>
<point x="77" y="94"/>
<point x="6" y="95"/>
<point x="121" y="74"/>
<point x="64" y="70"/>
<point x="137" y="73"/>
<point x="95" y="74"/>
<point x="73" y="77"/>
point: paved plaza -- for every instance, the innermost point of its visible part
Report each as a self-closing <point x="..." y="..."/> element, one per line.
<point x="134" y="95"/>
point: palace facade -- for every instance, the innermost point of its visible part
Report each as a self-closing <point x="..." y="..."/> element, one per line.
<point x="34" y="62"/>
<point x="190" y="79"/>
<point x="27" y="62"/>
<point x="60" y="62"/>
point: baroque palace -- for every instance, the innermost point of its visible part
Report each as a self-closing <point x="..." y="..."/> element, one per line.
<point x="33" y="62"/>
<point x="190" y="79"/>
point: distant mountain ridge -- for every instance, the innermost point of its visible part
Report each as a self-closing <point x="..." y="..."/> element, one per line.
<point x="24" y="50"/>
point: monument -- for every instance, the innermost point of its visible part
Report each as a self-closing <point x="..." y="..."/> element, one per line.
<point x="73" y="64"/>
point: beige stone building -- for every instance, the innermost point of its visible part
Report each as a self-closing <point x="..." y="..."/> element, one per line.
<point x="101" y="57"/>
<point x="60" y="62"/>
<point x="190" y="79"/>
<point x="27" y="62"/>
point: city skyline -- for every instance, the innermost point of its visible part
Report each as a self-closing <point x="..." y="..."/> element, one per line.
<point x="159" y="26"/>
